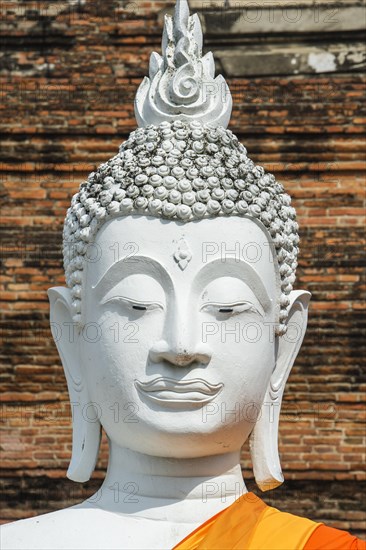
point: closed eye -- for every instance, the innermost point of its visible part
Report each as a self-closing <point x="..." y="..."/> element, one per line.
<point x="134" y="304"/>
<point x="139" y="308"/>
<point x="230" y="309"/>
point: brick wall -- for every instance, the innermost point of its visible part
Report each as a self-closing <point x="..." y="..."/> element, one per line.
<point x="69" y="74"/>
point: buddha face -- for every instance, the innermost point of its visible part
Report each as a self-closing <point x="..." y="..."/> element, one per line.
<point x="178" y="344"/>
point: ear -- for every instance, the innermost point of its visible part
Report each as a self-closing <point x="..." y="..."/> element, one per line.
<point x="264" y="438"/>
<point x="86" y="434"/>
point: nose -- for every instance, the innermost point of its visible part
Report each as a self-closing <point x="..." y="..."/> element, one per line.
<point x="181" y="347"/>
<point x="180" y="355"/>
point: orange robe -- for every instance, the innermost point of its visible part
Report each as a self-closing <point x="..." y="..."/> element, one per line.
<point x="250" y="524"/>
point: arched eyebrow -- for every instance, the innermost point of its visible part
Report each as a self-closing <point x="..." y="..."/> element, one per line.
<point x="235" y="268"/>
<point x="123" y="268"/>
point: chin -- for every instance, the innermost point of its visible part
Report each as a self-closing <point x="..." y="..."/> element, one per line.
<point x="183" y="436"/>
<point x="187" y="447"/>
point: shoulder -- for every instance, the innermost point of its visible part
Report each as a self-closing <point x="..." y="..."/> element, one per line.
<point x="71" y="528"/>
<point x="292" y="531"/>
<point x="268" y="528"/>
<point x="300" y="532"/>
<point x="329" y="538"/>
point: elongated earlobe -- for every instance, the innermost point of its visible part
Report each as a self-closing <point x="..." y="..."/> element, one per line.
<point x="263" y="441"/>
<point x="86" y="425"/>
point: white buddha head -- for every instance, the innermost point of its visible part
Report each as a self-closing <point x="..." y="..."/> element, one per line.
<point x="180" y="257"/>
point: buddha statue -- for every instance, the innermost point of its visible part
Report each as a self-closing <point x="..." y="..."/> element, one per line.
<point x="180" y="256"/>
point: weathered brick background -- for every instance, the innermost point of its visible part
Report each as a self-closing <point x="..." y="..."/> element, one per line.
<point x="68" y="78"/>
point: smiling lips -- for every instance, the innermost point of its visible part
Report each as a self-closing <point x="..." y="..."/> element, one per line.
<point x="174" y="392"/>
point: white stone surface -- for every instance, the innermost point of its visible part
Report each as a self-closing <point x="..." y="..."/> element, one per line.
<point x="181" y="364"/>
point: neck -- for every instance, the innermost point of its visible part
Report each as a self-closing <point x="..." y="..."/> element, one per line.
<point x="184" y="490"/>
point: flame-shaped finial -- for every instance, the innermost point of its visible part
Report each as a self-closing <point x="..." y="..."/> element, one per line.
<point x="182" y="83"/>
